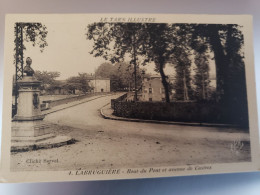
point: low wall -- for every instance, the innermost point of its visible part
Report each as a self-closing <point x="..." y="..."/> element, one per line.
<point x="52" y="103"/>
<point x="178" y="111"/>
<point x="121" y="98"/>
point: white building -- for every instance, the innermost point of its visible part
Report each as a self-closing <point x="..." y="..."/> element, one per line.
<point x="100" y="84"/>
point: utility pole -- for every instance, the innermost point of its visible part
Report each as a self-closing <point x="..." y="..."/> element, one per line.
<point x="18" y="58"/>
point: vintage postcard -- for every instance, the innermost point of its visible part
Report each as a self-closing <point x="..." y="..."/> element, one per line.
<point x="119" y="96"/>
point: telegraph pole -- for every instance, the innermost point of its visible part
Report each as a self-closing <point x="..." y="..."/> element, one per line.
<point x="18" y="58"/>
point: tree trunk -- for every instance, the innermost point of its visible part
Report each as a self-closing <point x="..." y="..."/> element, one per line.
<point x="203" y="86"/>
<point x="220" y="60"/>
<point x="185" y="89"/>
<point x="164" y="81"/>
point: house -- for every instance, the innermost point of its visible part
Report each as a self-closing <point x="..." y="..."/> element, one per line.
<point x="99" y="84"/>
<point x="152" y="89"/>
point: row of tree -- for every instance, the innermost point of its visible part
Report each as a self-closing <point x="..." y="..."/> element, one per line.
<point x="121" y="78"/>
<point x="177" y="44"/>
<point x="49" y="82"/>
<point x="162" y="44"/>
<point x="121" y="75"/>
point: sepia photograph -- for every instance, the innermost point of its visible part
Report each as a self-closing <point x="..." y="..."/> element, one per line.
<point x="128" y="96"/>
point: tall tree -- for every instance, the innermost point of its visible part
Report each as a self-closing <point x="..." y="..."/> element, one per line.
<point x="142" y="42"/>
<point x="126" y="38"/>
<point x="226" y="41"/>
<point x="158" y="48"/>
<point x="124" y="73"/>
<point x="235" y="86"/>
<point x="201" y="77"/>
<point x="182" y="65"/>
<point x="105" y="70"/>
<point x="180" y="58"/>
<point x="201" y="60"/>
<point x="121" y="75"/>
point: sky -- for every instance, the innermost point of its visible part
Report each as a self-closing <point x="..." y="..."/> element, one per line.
<point x="68" y="52"/>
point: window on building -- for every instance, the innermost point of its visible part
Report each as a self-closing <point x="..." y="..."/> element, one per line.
<point x="150" y="90"/>
<point x="163" y="99"/>
<point x="162" y="90"/>
<point x="150" y="99"/>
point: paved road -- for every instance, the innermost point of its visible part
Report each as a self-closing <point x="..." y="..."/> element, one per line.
<point x="87" y="116"/>
<point x="104" y="143"/>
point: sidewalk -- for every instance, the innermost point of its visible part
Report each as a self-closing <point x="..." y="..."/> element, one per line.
<point x="107" y="113"/>
<point x="71" y="104"/>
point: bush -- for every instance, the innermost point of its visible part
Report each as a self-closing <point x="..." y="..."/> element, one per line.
<point x="202" y="112"/>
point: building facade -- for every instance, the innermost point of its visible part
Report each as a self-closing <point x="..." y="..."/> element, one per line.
<point x="152" y="89"/>
<point x="100" y="84"/>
